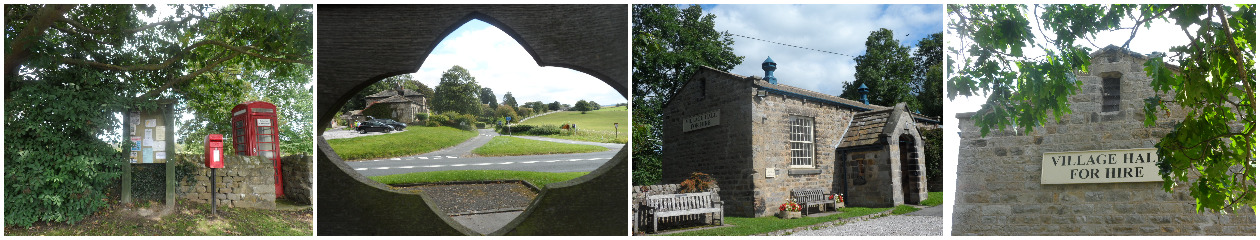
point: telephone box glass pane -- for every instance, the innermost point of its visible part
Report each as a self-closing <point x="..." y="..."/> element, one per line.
<point x="240" y="124"/>
<point x="265" y="138"/>
<point x="263" y="130"/>
<point x="265" y="147"/>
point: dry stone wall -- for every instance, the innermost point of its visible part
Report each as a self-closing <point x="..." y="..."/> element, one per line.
<point x="999" y="176"/>
<point x="245" y="181"/>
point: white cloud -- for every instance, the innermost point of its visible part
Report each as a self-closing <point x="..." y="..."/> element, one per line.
<point x="835" y="28"/>
<point x="500" y="63"/>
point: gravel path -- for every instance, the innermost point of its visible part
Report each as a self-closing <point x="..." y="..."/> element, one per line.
<point x="342" y="133"/>
<point x="896" y="225"/>
<point x="477" y="197"/>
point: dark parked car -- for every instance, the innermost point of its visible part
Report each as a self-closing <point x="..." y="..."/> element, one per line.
<point x="398" y="126"/>
<point x="371" y="126"/>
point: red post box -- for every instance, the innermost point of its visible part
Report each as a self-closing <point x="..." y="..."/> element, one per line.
<point x="214" y="151"/>
<point x="255" y="133"/>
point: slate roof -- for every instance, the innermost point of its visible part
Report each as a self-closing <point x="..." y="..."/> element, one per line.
<point x="394" y="92"/>
<point x="395" y="99"/>
<point x="812" y="94"/>
<point x="866" y="128"/>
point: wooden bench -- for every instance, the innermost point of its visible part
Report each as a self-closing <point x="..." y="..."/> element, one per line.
<point x="670" y="205"/>
<point x="812" y="197"/>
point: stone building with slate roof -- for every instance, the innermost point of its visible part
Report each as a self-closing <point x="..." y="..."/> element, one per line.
<point x="760" y="140"/>
<point x="404" y="103"/>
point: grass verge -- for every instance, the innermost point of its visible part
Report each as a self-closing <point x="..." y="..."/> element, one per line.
<point x="904" y="209"/>
<point x="934" y="199"/>
<point x="415" y="140"/>
<point x="190" y="219"/>
<point x="514" y="146"/>
<point x="751" y="226"/>
<point x="539" y="179"/>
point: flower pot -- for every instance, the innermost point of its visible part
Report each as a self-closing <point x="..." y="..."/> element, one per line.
<point x="789" y="215"/>
<point x="840" y="205"/>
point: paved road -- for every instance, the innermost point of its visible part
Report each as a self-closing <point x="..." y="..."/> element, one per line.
<point x="460" y="157"/>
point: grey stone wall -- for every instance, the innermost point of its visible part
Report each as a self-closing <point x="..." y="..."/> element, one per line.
<point x="297" y="178"/>
<point x="245" y="181"/>
<point x="875" y="175"/>
<point x="771" y="148"/>
<point x="721" y="151"/>
<point x="999" y="190"/>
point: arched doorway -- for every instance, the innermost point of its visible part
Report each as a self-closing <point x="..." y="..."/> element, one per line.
<point x="911" y="173"/>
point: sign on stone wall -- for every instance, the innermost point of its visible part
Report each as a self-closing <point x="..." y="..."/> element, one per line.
<point x="703" y="120"/>
<point x="1100" y="166"/>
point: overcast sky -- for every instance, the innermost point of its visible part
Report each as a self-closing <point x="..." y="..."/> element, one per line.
<point x="835" y="28"/>
<point x="1159" y="37"/>
<point x="500" y="63"/>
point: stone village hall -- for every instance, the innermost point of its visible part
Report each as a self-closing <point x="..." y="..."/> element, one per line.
<point x="760" y="140"/>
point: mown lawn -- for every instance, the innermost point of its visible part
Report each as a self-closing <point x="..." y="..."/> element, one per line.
<point x="539" y="179"/>
<point x="190" y="219"/>
<point x="750" y="226"/>
<point x="934" y="199"/>
<point x="415" y="140"/>
<point x="514" y="146"/>
<point x="594" y="126"/>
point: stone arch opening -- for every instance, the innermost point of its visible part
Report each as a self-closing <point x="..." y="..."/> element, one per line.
<point x="372" y="42"/>
<point x="911" y="172"/>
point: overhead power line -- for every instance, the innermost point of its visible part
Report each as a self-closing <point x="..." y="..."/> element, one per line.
<point x="790" y="45"/>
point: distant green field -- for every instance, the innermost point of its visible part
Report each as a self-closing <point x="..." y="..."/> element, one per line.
<point x="600" y="120"/>
<point x="621" y="108"/>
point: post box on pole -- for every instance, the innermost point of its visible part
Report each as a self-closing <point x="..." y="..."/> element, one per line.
<point x="214" y="160"/>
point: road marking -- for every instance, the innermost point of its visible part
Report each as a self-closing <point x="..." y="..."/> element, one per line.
<point x="426" y="158"/>
<point x="433" y="166"/>
<point x="396" y="159"/>
<point x="407" y="167"/>
<point x="506" y="163"/>
<point x="593" y="158"/>
<point x="459" y="165"/>
<point x="552" y="161"/>
<point x="381" y="168"/>
<point x="360" y="169"/>
<point x="481" y="164"/>
<point x="530" y="162"/>
<point x="451" y="157"/>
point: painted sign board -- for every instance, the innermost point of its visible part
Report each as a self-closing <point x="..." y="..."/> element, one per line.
<point x="701" y="121"/>
<point x="1100" y="166"/>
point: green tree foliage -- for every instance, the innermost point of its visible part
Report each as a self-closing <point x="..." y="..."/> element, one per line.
<point x="932" y="152"/>
<point x="581" y="105"/>
<point x="537" y="106"/>
<point x="487" y="97"/>
<point x="1214" y="80"/>
<point x="553" y="106"/>
<point x="506" y="111"/>
<point x="509" y="100"/>
<point x="70" y="68"/>
<point x="593" y="105"/>
<point x="928" y="67"/>
<point x="887" y="69"/>
<point x="457" y="92"/>
<point x="668" y="46"/>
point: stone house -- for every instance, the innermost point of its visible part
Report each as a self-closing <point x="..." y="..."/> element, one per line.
<point x="1005" y="187"/>
<point x="403" y="104"/>
<point x="760" y="140"/>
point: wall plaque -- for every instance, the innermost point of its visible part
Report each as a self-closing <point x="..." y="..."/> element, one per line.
<point x="1100" y="166"/>
<point x="702" y="120"/>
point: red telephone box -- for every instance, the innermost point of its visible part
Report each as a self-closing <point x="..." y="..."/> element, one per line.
<point x="214" y="151"/>
<point x="255" y="134"/>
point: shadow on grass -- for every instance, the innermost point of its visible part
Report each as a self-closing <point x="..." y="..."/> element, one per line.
<point x="188" y="219"/>
<point x="751" y="226"/>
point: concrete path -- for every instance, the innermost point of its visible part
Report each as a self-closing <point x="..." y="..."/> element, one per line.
<point x="488" y="222"/>
<point x="925" y="222"/>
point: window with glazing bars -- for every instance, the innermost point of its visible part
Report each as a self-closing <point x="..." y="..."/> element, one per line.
<point x="802" y="141"/>
<point x="1111" y="94"/>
